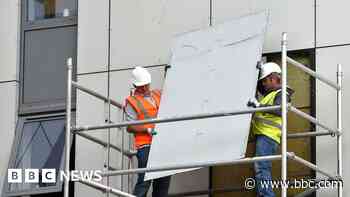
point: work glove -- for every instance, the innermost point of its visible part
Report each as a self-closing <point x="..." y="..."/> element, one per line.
<point x="253" y="103"/>
<point x="151" y="131"/>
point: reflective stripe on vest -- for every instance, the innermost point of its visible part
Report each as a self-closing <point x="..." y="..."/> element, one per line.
<point x="144" y="110"/>
<point x="265" y="123"/>
<point x="268" y="122"/>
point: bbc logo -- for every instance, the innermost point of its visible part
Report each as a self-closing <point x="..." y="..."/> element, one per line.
<point x="31" y="175"/>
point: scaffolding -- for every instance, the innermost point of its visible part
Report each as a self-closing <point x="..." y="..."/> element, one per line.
<point x="110" y="171"/>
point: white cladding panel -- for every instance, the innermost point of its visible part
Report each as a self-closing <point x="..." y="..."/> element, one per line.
<point x="92" y="36"/>
<point x="332" y="22"/>
<point x="205" y="60"/>
<point x="7" y="125"/>
<point x="9" y="39"/>
<point x="326" y="152"/>
<point x="296" y="17"/>
<point x="142" y="30"/>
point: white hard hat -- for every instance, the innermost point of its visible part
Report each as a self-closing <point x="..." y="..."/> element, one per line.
<point x="268" y="68"/>
<point x="141" y="76"/>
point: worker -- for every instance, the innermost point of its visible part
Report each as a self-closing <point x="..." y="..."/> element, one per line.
<point x="266" y="126"/>
<point x="143" y="104"/>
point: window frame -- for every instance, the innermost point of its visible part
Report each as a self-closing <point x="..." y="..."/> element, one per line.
<point x="15" y="145"/>
<point x="51" y="23"/>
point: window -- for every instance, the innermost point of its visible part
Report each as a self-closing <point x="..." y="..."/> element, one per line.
<point x="39" y="143"/>
<point x="44" y="77"/>
<point x="47" y="9"/>
<point x="48" y="38"/>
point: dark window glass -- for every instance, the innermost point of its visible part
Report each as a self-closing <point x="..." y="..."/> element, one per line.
<point x="44" y="70"/>
<point x="40" y="145"/>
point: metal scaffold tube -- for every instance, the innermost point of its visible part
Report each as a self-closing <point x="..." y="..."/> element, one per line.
<point x="128" y="153"/>
<point x="105" y="188"/>
<point x="339" y="127"/>
<point x="194" y="165"/>
<point x="313" y="73"/>
<point x="175" y="119"/>
<point x="68" y="124"/>
<point x="284" y="115"/>
<point x="311" y="165"/>
<point x="96" y="94"/>
<point x="312" y="119"/>
<point x="310" y="134"/>
<point x="107" y="148"/>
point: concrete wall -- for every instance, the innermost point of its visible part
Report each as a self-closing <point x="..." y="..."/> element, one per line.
<point x="9" y="31"/>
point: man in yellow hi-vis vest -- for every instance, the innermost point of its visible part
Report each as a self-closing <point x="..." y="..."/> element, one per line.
<point x="266" y="126"/>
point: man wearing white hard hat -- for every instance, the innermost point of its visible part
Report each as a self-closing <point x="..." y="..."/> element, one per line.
<point x="144" y="104"/>
<point x="266" y="126"/>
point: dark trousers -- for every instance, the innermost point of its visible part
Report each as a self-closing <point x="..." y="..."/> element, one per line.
<point x="160" y="185"/>
<point x="264" y="146"/>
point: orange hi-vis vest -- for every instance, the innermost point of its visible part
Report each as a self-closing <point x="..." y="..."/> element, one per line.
<point x="144" y="110"/>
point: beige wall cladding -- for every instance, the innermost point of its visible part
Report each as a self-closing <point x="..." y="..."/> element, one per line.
<point x="326" y="152"/>
<point x="296" y="17"/>
<point x="90" y="111"/>
<point x="92" y="36"/>
<point x="331" y="22"/>
<point x="142" y="30"/>
<point x="9" y="39"/>
<point x="7" y="125"/>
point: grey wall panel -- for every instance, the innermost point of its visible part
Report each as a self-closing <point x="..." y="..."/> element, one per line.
<point x="90" y="111"/>
<point x="293" y="16"/>
<point x="7" y="125"/>
<point x="326" y="64"/>
<point x="141" y="31"/>
<point x="9" y="39"/>
<point x="331" y="22"/>
<point x="203" y="61"/>
<point x="92" y="36"/>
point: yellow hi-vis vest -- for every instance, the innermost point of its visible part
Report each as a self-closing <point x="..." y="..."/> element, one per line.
<point x="265" y="123"/>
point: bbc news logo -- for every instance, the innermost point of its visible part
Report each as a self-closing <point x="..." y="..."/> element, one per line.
<point x="50" y="175"/>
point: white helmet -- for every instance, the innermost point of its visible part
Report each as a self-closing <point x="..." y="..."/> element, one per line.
<point x="140" y="76"/>
<point x="268" y="68"/>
